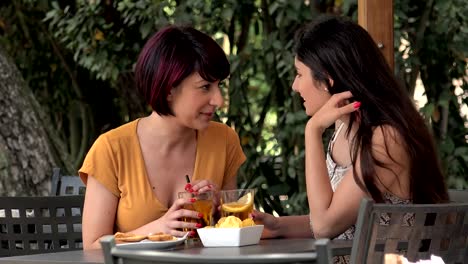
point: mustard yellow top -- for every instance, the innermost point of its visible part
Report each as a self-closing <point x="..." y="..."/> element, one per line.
<point x="116" y="161"/>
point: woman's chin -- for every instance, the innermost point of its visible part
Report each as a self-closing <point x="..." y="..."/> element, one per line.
<point x="202" y="125"/>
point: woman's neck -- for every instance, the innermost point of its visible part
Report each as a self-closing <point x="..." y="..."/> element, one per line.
<point x="165" y="133"/>
<point x="344" y="120"/>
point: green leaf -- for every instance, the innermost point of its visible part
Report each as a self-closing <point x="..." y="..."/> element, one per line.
<point x="145" y="29"/>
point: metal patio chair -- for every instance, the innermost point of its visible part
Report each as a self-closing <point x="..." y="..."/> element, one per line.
<point x="414" y="230"/>
<point x="33" y="225"/>
<point x="66" y="185"/>
<point x="458" y="196"/>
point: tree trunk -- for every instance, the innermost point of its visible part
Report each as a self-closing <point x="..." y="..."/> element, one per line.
<point x="27" y="153"/>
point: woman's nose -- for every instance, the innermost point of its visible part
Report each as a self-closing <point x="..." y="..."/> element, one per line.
<point x="217" y="98"/>
<point x="294" y="85"/>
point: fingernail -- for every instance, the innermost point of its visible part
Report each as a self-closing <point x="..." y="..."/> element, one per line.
<point x="200" y="215"/>
<point x="192" y="200"/>
<point x="188" y="186"/>
<point x="210" y="186"/>
<point x="192" y="233"/>
<point x="357" y="105"/>
<point x="198" y="225"/>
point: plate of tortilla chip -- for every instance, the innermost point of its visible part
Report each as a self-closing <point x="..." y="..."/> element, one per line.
<point x="231" y="232"/>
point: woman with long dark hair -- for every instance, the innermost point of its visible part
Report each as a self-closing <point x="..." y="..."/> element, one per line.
<point x="381" y="147"/>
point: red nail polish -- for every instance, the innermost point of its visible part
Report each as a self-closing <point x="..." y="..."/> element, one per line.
<point x="357" y="105"/>
<point x="192" y="200"/>
<point x="210" y="186"/>
<point x="200" y="215"/>
<point x="192" y="233"/>
<point x="198" y="225"/>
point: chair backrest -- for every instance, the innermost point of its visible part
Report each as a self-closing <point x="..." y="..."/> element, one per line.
<point x="458" y="196"/>
<point x="323" y="249"/>
<point x="66" y="185"/>
<point x="33" y="225"/>
<point x="416" y="231"/>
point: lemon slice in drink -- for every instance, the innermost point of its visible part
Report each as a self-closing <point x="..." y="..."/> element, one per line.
<point x="240" y="205"/>
<point x="246" y="199"/>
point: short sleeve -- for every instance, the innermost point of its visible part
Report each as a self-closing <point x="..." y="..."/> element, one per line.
<point x="234" y="155"/>
<point x="100" y="163"/>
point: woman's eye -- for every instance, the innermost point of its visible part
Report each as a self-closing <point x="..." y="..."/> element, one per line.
<point x="206" y="87"/>
<point x="222" y="85"/>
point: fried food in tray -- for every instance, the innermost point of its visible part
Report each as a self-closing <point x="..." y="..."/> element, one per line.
<point x="128" y="237"/>
<point x="160" y="237"/>
<point x="234" y="222"/>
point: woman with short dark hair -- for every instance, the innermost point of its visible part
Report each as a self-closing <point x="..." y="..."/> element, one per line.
<point x="134" y="172"/>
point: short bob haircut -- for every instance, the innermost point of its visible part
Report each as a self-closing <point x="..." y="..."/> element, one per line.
<point x="172" y="54"/>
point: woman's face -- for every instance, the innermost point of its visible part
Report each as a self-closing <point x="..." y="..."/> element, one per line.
<point x="195" y="100"/>
<point x="314" y="93"/>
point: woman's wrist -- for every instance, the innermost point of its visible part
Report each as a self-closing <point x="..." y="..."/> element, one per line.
<point x="277" y="231"/>
<point x="313" y="128"/>
<point x="313" y="132"/>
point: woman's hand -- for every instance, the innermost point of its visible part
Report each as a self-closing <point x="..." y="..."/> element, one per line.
<point x="204" y="186"/>
<point x="172" y="223"/>
<point x="201" y="186"/>
<point x="335" y="108"/>
<point x="271" y="224"/>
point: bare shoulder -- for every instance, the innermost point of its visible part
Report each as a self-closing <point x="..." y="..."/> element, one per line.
<point x="387" y="141"/>
<point x="388" y="148"/>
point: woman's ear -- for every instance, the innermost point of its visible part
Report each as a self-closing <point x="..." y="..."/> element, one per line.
<point x="328" y="84"/>
<point x="170" y="95"/>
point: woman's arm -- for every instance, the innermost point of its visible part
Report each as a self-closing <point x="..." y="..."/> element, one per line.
<point x="331" y="212"/>
<point x="99" y="211"/>
<point x="334" y="212"/>
<point x="296" y="226"/>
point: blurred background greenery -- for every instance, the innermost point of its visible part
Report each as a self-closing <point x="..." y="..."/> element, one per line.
<point x="77" y="59"/>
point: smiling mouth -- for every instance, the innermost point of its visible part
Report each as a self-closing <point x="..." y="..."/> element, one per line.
<point x="210" y="114"/>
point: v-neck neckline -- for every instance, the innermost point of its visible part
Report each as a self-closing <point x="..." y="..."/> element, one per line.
<point x="145" y="174"/>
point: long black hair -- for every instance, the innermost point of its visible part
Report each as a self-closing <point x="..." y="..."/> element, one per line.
<point x="337" y="48"/>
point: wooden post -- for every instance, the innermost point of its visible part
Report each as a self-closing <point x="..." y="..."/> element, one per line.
<point x="376" y="16"/>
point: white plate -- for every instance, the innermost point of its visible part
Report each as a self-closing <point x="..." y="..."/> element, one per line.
<point x="230" y="237"/>
<point x="148" y="244"/>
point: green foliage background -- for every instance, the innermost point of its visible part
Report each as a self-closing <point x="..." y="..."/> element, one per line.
<point x="78" y="58"/>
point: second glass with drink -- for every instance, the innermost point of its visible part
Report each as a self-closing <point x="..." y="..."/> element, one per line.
<point x="238" y="202"/>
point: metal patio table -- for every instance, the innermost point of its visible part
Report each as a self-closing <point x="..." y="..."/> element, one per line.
<point x="263" y="252"/>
